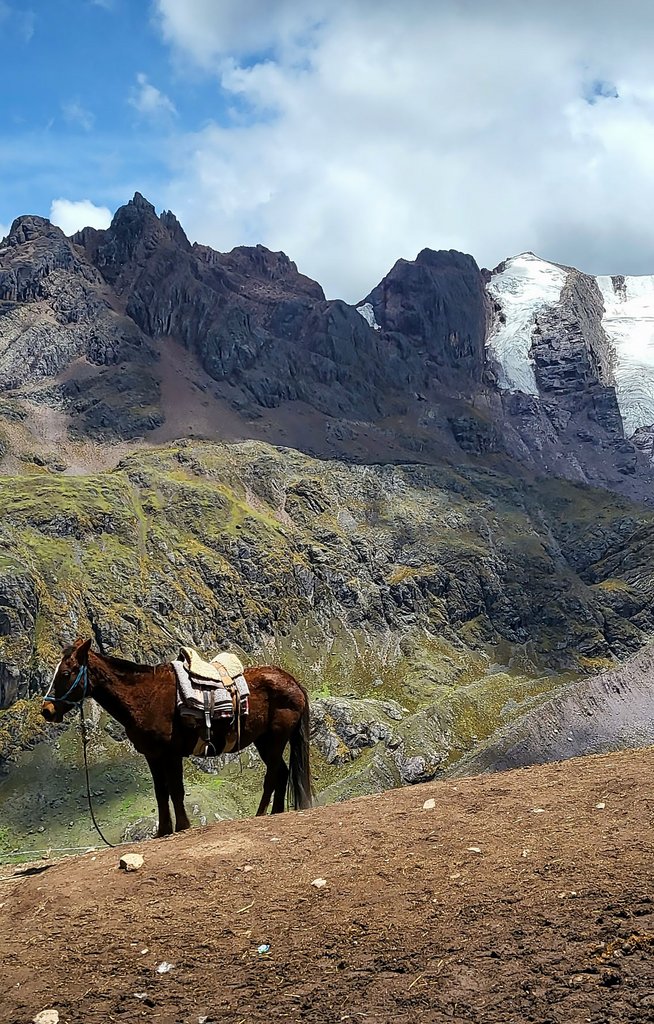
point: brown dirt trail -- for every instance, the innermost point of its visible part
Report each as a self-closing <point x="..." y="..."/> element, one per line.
<point x="551" y="921"/>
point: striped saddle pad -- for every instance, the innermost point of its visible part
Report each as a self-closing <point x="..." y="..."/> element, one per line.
<point x="210" y="689"/>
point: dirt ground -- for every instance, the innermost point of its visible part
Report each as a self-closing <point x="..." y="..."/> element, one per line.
<point x="519" y="897"/>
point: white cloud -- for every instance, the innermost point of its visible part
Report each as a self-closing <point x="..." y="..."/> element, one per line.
<point x="366" y="131"/>
<point x="150" y="101"/>
<point x="4" y="230"/>
<point x="73" y="215"/>
<point x="76" y="114"/>
<point x="206" y="30"/>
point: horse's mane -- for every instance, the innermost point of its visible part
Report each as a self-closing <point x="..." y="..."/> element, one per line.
<point x="124" y="664"/>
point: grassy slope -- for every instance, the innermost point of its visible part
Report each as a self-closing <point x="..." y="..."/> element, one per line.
<point x="460" y="595"/>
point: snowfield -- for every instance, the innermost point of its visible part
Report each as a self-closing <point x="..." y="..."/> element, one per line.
<point x="527" y="284"/>
<point x="629" y="323"/>
<point x="524" y="287"/>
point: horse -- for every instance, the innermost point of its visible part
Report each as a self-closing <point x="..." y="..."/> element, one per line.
<point x="143" y="699"/>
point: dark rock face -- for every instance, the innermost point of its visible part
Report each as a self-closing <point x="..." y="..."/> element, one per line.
<point x="572" y="354"/>
<point x="249" y="316"/>
<point x="54" y="307"/>
<point x="258" y="325"/>
<point x="436" y="311"/>
<point x="476" y="435"/>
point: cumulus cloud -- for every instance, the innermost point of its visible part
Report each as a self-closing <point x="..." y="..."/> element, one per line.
<point x="363" y="132"/>
<point x="73" y="215"/>
<point x="150" y="101"/>
<point x="206" y="30"/>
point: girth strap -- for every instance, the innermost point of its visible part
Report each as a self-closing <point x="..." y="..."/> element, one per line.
<point x="209" y="701"/>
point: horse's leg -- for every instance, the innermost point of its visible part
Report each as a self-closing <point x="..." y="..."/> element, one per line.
<point x="175" y="773"/>
<point x="161" y="791"/>
<point x="280" y="787"/>
<point x="270" y="749"/>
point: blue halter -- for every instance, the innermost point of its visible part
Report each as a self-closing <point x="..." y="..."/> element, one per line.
<point x="82" y="674"/>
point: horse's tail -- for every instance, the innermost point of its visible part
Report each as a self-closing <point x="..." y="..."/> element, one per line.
<point x="299" y="780"/>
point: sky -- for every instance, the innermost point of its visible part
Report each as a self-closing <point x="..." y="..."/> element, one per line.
<point x="347" y="133"/>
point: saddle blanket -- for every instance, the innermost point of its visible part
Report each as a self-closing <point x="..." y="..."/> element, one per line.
<point x="215" y="688"/>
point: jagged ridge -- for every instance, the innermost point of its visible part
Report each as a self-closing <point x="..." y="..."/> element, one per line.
<point x="420" y="369"/>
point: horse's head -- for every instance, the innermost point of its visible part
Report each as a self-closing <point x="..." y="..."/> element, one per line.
<point x="69" y="683"/>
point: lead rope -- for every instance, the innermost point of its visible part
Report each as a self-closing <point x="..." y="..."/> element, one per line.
<point x="85" y="741"/>
<point x="238" y="728"/>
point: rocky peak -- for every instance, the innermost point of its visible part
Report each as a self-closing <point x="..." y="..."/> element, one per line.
<point x="258" y="264"/>
<point x="35" y="251"/>
<point x="139" y="202"/>
<point x="30" y="228"/>
<point x="174" y="229"/>
<point x="134" y="233"/>
<point x="438" y="304"/>
<point x="53" y="306"/>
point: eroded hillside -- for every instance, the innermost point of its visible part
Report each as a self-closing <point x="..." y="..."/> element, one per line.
<point x="425" y="607"/>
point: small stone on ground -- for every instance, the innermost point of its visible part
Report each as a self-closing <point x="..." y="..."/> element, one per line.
<point x="131" y="862"/>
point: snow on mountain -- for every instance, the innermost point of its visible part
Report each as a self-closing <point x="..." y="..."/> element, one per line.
<point x="527" y="284"/>
<point x="524" y="286"/>
<point x="629" y="323"/>
<point x="368" y="313"/>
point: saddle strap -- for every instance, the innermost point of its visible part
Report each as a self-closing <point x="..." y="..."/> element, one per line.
<point x="209" y="701"/>
<point x="227" y="680"/>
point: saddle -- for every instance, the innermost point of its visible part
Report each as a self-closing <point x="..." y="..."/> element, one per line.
<point x="208" y="691"/>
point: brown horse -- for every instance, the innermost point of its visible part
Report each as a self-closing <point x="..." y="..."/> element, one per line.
<point x="143" y="699"/>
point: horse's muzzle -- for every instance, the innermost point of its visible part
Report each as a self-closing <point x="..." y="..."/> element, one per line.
<point x="51" y="713"/>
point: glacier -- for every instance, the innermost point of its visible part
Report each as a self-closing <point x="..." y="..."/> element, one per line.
<point x="524" y="286"/>
<point x="628" y="322"/>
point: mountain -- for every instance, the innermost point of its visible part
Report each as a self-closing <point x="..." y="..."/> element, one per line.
<point x="425" y="505"/>
<point x="133" y="331"/>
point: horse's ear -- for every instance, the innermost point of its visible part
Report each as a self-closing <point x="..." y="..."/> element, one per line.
<point x="82" y="650"/>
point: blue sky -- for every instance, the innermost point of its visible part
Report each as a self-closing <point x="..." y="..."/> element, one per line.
<point x="72" y="127"/>
<point x="348" y="133"/>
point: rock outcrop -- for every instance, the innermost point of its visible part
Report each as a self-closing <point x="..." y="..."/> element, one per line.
<point x="435" y="313"/>
<point x="55" y="308"/>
